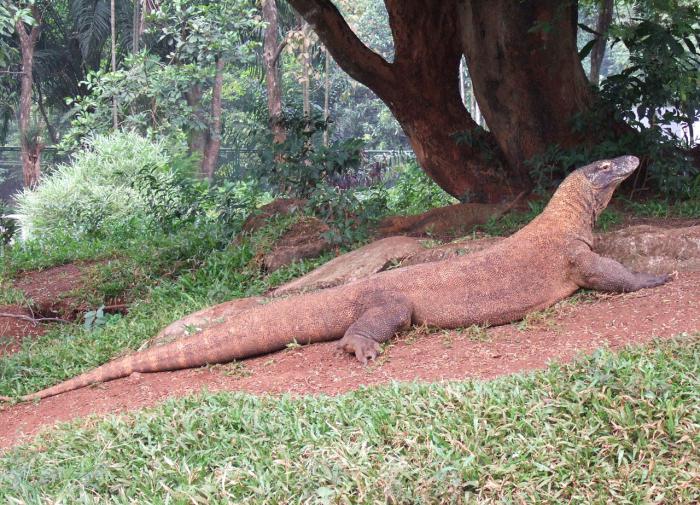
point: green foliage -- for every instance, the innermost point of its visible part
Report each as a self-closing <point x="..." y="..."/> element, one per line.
<point x="413" y="192"/>
<point x="615" y="427"/>
<point x="301" y="162"/>
<point x="350" y="212"/>
<point x="116" y="182"/>
<point x="660" y="85"/>
<point x="665" y="169"/>
<point x="8" y="226"/>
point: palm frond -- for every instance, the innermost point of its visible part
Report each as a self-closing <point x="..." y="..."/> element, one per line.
<point x="92" y="23"/>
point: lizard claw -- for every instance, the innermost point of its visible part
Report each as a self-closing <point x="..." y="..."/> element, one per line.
<point x="364" y="348"/>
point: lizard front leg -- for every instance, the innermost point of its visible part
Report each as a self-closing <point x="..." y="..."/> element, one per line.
<point x="605" y="274"/>
<point x="383" y="316"/>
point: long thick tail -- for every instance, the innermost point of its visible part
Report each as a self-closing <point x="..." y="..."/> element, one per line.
<point x="258" y="331"/>
<point x="173" y="356"/>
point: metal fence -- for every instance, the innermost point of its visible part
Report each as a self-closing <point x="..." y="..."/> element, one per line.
<point x="238" y="163"/>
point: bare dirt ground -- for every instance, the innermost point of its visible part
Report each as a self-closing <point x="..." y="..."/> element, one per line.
<point x="569" y="330"/>
<point x="13" y="330"/>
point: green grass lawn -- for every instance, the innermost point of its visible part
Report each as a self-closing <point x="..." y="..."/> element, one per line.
<point x="612" y="428"/>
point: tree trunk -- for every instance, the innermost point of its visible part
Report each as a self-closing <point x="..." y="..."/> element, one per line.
<point x="30" y="147"/>
<point x="305" y="70"/>
<point x="326" y="97"/>
<point x="113" y="23"/>
<point x="271" y="52"/>
<point x="135" y="27"/>
<point x="527" y="77"/>
<point x="213" y="137"/>
<point x="195" y="138"/>
<point x="602" y="26"/>
<point x="421" y="88"/>
<point x="42" y="110"/>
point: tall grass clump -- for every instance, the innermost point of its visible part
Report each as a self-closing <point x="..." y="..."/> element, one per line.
<point x="101" y="190"/>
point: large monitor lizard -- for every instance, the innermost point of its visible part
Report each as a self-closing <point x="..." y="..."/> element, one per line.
<point x="547" y="260"/>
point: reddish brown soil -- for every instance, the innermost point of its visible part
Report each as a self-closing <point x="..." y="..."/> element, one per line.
<point x="608" y="320"/>
<point x="53" y="291"/>
<point x="13" y="330"/>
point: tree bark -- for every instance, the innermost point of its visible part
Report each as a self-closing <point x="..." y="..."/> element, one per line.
<point x="30" y="147"/>
<point x="527" y="77"/>
<point x="42" y="110"/>
<point x="113" y="25"/>
<point x="326" y="96"/>
<point x="195" y="139"/>
<point x="135" y="27"/>
<point x="306" y="70"/>
<point x="602" y="26"/>
<point x="270" y="57"/>
<point x="421" y="88"/>
<point x="213" y="135"/>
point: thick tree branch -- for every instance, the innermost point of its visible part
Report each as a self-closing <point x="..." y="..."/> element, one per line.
<point x="358" y="60"/>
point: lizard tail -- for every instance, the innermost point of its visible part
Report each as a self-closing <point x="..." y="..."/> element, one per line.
<point x="261" y="330"/>
<point x="193" y="351"/>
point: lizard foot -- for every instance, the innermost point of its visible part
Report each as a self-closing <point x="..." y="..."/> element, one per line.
<point x="364" y="348"/>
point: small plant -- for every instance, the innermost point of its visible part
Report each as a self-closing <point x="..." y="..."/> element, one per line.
<point x="538" y="319"/>
<point x="349" y="212"/>
<point x="413" y="192"/>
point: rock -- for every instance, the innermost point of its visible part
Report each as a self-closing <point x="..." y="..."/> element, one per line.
<point x="354" y="265"/>
<point x="304" y="239"/>
<point x="197" y="321"/>
<point x="653" y="249"/>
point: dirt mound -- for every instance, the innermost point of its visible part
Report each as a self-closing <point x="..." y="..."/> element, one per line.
<point x="304" y="239"/>
<point x="15" y="325"/>
<point x="445" y="222"/>
<point x="557" y="335"/>
<point x="54" y="292"/>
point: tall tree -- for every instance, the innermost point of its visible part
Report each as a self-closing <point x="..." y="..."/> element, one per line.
<point x="605" y="15"/>
<point x="271" y="53"/>
<point x="205" y="36"/>
<point x="28" y="28"/>
<point x="113" y="31"/>
<point x="527" y="77"/>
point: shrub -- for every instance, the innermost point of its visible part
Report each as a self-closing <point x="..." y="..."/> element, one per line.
<point x="7" y="226"/>
<point x="103" y="189"/>
<point x="414" y="192"/>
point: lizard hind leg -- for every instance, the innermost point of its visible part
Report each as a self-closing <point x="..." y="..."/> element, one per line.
<point x="384" y="315"/>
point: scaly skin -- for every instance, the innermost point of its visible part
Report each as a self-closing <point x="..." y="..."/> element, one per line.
<point x="549" y="259"/>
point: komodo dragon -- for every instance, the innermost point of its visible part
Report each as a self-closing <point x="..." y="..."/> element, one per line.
<point x="546" y="261"/>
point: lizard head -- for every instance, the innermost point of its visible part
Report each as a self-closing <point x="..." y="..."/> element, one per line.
<point x="604" y="176"/>
<point x="586" y="192"/>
